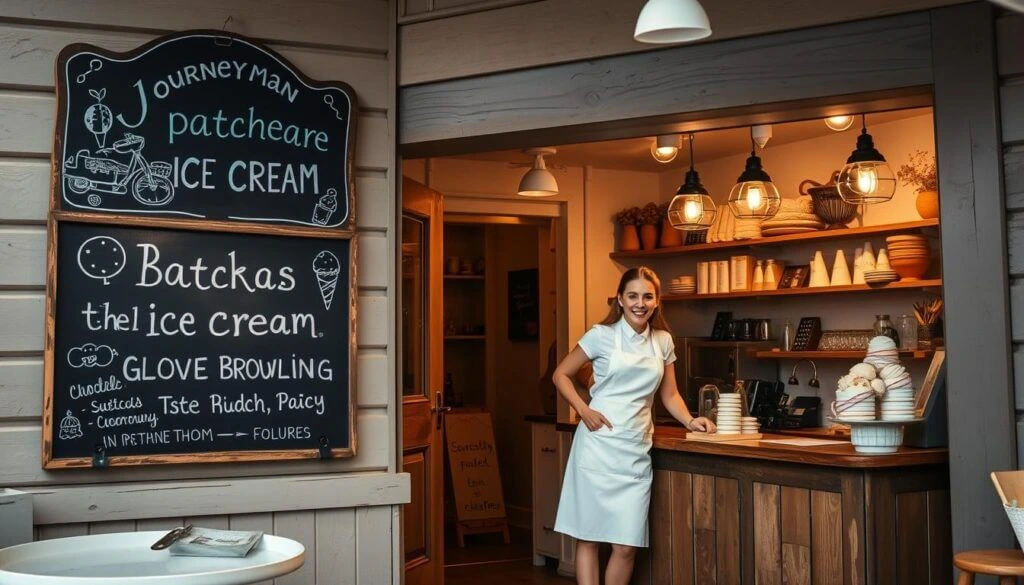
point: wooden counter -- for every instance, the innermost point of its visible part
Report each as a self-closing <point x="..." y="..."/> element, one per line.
<point x="752" y="512"/>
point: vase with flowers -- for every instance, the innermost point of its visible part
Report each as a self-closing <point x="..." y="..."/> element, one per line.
<point x="627" y="219"/>
<point x="920" y="172"/>
<point x="650" y="219"/>
<point x="670" y="236"/>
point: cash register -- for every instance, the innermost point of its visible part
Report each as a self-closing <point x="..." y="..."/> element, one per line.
<point x="768" y="401"/>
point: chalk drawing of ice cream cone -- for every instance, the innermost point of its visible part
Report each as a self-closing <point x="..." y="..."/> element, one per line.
<point x="325" y="207"/>
<point x="327" y="268"/>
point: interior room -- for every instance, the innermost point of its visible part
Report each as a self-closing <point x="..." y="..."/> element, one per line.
<point x="611" y="177"/>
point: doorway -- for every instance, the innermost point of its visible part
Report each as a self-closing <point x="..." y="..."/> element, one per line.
<point x="498" y="283"/>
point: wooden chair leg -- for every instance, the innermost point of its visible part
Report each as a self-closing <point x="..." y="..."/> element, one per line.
<point x="1007" y="581"/>
<point x="966" y="578"/>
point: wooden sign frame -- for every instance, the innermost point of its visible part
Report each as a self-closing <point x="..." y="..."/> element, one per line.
<point x="58" y="216"/>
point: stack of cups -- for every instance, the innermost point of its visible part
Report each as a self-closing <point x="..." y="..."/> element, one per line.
<point x="855" y="403"/>
<point x="898" y="400"/>
<point x="749" y="425"/>
<point x="730" y="409"/>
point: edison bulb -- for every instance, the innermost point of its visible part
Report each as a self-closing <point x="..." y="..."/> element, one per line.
<point x="867" y="180"/>
<point x="692" y="210"/>
<point x="754" y="198"/>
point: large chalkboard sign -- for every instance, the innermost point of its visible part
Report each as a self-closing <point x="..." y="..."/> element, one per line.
<point x="174" y="345"/>
<point x="203" y="124"/>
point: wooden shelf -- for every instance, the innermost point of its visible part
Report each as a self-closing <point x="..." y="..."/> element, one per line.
<point x="838" y="355"/>
<point x="836" y="234"/>
<point x="912" y="284"/>
<point x="464" y="276"/>
<point x="465" y="337"/>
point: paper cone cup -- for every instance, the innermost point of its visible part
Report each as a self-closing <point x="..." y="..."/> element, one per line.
<point x="840" y="271"/>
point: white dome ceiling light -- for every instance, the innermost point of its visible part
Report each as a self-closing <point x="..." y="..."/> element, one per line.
<point x="672" y="21"/>
<point x="538" y="181"/>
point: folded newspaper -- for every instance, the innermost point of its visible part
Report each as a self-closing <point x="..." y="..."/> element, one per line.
<point x="209" y="542"/>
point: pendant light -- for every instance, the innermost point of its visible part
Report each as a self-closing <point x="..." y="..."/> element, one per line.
<point x="665" y="148"/>
<point x="538" y="181"/>
<point x="671" y="21"/>
<point x="754" y="196"/>
<point x="692" y="208"/>
<point x="866" y="178"/>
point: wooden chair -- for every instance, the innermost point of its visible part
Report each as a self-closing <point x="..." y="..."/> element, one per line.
<point x="1006" y="564"/>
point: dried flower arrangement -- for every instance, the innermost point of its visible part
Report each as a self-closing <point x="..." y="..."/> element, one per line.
<point x="628" y="216"/>
<point x="920" y="171"/>
<point x="650" y="214"/>
<point x="663" y="210"/>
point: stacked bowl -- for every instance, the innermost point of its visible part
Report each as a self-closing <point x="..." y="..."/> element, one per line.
<point x="730" y="411"/>
<point x="909" y="255"/>
<point x="749" y="425"/>
<point x="683" y="285"/>
<point x="795" y="216"/>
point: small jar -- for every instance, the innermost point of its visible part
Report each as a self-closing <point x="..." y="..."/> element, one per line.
<point x="787" y="336"/>
<point x="907" y="328"/>
<point x="883" y="326"/>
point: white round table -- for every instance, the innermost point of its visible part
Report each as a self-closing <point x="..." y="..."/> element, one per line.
<point x="125" y="559"/>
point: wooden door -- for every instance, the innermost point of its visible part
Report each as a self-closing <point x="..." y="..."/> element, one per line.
<point x="422" y="397"/>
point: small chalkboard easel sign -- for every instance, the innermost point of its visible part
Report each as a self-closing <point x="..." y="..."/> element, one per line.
<point x="200" y="300"/>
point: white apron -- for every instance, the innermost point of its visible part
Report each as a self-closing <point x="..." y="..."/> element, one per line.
<point x="607" y="488"/>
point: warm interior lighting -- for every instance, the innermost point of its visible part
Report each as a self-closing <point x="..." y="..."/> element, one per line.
<point x="665" y="147"/>
<point x="839" y="123"/>
<point x="538" y="181"/>
<point x="866" y="178"/>
<point x="671" y="21"/>
<point x="754" y="196"/>
<point x="692" y="208"/>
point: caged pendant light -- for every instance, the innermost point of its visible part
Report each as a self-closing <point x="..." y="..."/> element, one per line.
<point x="866" y="178"/>
<point x="692" y="209"/>
<point x="754" y="196"/>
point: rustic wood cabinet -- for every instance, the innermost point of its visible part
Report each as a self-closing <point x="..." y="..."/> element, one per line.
<point x="724" y="520"/>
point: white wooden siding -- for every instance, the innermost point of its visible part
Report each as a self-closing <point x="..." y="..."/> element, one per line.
<point x="343" y="511"/>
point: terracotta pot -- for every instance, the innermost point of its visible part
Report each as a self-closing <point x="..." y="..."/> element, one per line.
<point x="670" y="236"/>
<point x="628" y="239"/>
<point x="649" y="236"/>
<point x="910" y="268"/>
<point x="928" y="204"/>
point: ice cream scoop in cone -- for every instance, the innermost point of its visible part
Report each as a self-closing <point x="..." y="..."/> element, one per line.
<point x="327" y="269"/>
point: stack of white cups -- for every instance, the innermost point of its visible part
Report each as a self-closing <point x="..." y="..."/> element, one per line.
<point x="898" y="396"/>
<point x="730" y="409"/>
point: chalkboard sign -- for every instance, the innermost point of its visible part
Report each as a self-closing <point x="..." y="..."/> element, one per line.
<point x="473" y="459"/>
<point x="202" y="125"/>
<point x="173" y="345"/>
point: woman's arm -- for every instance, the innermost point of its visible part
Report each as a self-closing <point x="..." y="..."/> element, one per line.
<point x="563" y="381"/>
<point x="676" y="407"/>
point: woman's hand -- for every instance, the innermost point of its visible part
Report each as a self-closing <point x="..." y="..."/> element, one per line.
<point x="701" y="424"/>
<point x="594" y="419"/>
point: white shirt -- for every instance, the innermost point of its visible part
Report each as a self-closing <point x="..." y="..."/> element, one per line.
<point x="599" y="342"/>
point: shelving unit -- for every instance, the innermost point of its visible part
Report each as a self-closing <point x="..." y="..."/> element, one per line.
<point x="838" y="355"/>
<point x="824" y="235"/>
<point x="465" y="312"/>
<point x="910" y="284"/>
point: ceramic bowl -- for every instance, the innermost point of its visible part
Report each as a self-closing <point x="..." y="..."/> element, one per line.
<point x="910" y="268"/>
<point x="875" y="438"/>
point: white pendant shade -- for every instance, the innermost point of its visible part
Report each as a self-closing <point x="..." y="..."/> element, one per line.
<point x="538" y="181"/>
<point x="672" y="21"/>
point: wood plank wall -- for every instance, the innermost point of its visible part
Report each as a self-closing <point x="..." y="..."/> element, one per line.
<point x="489" y="36"/>
<point x="1009" y="32"/>
<point x="349" y="40"/>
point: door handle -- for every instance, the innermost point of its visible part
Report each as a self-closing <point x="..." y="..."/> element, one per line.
<point x="439" y="409"/>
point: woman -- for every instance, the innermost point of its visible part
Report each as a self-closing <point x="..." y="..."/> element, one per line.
<point x="607" y="487"/>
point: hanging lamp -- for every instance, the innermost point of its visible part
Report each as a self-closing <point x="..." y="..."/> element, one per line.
<point x="839" y="123"/>
<point x="692" y="208"/>
<point x="538" y="181"/>
<point x="866" y="178"/>
<point x="671" y="21"/>
<point x="754" y="196"/>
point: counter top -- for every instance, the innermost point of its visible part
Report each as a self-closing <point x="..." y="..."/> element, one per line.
<point x="673" y="438"/>
<point x="838" y="455"/>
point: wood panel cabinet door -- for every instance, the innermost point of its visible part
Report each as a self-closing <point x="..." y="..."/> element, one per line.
<point x="422" y="397"/>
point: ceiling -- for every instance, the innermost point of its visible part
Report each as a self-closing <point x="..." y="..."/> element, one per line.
<point x="634" y="154"/>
